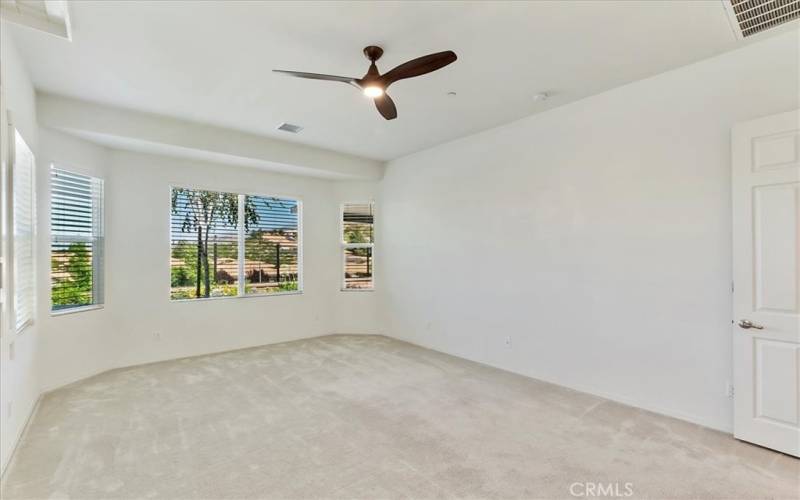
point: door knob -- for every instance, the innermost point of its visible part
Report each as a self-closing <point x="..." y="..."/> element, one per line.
<point x="747" y="324"/>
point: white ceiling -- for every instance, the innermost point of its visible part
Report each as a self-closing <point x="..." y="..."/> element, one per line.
<point x="211" y="62"/>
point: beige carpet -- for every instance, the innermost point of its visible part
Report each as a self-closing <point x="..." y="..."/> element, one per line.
<point x="366" y="417"/>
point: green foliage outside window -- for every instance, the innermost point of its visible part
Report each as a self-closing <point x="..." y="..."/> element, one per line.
<point x="72" y="276"/>
<point x="356" y="234"/>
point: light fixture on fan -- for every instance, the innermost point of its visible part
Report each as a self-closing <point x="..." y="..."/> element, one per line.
<point x="373" y="91"/>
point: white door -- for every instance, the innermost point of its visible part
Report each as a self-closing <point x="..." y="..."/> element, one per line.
<point x="766" y="270"/>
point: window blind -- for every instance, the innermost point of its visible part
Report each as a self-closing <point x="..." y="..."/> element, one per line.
<point x="204" y="244"/>
<point x="218" y="237"/>
<point x="358" y="240"/>
<point x="271" y="245"/>
<point x="76" y="240"/>
<point x="24" y="220"/>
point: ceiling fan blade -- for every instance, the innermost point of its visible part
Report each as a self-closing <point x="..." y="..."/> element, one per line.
<point x="386" y="107"/>
<point x="318" y="76"/>
<point x="419" y="66"/>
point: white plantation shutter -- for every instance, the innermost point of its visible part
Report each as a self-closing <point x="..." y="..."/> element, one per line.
<point x="76" y="247"/>
<point x="24" y="217"/>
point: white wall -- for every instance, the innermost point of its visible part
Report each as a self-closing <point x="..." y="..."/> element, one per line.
<point x="357" y="311"/>
<point x="597" y="236"/>
<point x="19" y="385"/>
<point x="137" y="282"/>
<point x="74" y="345"/>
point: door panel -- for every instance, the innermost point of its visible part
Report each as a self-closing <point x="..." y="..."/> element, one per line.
<point x="776" y="249"/>
<point x="766" y="268"/>
<point x="775" y="151"/>
<point x="776" y="361"/>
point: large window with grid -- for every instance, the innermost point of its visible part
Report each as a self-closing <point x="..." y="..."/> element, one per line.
<point x="358" y="241"/>
<point x="232" y="245"/>
<point x="76" y="240"/>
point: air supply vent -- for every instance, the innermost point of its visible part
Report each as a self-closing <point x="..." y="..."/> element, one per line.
<point x="288" y="127"/>
<point x="755" y="16"/>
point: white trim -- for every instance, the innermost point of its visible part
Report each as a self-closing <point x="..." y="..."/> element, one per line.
<point x="74" y="168"/>
<point x="11" y="314"/>
<point x="6" y="257"/>
<point x="244" y="191"/>
<point x="71" y="310"/>
<point x="240" y="247"/>
<point x="223" y="297"/>
<point x="19" y="437"/>
<point x="300" y="252"/>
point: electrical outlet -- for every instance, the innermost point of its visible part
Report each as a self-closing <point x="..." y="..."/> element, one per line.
<point x="156" y="336"/>
<point x="729" y="389"/>
<point x="508" y="341"/>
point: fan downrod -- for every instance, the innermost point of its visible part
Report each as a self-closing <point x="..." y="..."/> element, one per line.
<point x="373" y="52"/>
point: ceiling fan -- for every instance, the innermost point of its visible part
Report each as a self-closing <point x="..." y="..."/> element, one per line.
<point x="374" y="85"/>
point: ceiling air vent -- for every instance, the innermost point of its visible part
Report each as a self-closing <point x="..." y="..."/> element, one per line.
<point x="288" y="127"/>
<point x="755" y="16"/>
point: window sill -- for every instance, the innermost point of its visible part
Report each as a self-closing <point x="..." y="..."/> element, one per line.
<point x="250" y="296"/>
<point x="73" y="310"/>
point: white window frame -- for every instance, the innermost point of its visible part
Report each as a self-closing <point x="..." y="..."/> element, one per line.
<point x="241" y="239"/>
<point x="6" y="257"/>
<point x="98" y="268"/>
<point x="345" y="246"/>
<point x="12" y="299"/>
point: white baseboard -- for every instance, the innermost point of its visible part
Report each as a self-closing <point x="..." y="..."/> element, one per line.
<point x="64" y="383"/>
<point x="694" y="419"/>
<point x="594" y="391"/>
<point x="18" y="438"/>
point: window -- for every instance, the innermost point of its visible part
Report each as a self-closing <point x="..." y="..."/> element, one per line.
<point x="271" y="251"/>
<point x="358" y="240"/>
<point x="24" y="220"/>
<point x="217" y="238"/>
<point x="76" y="240"/>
